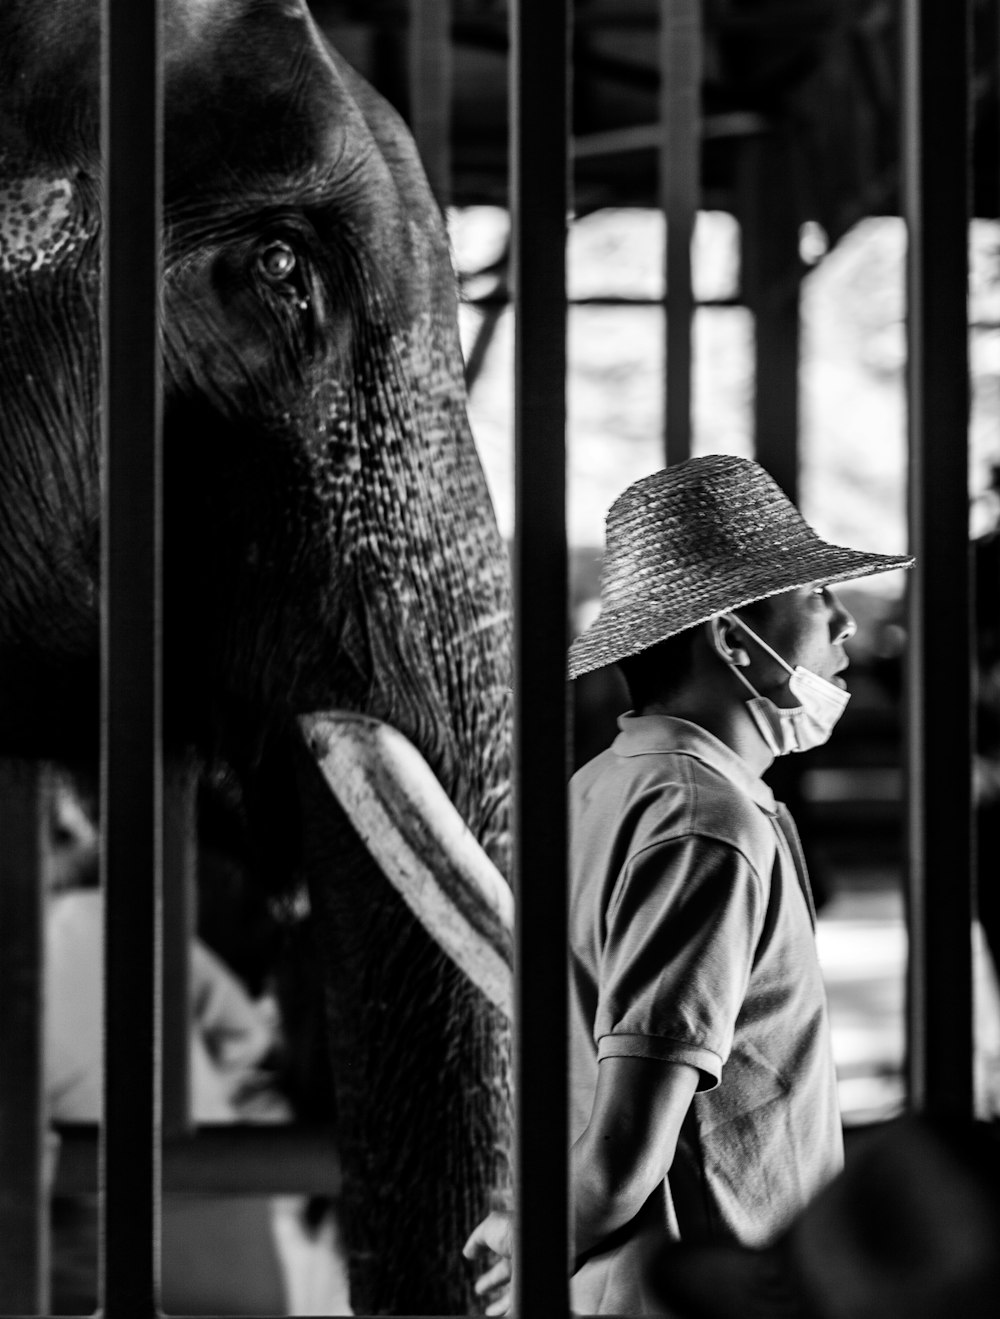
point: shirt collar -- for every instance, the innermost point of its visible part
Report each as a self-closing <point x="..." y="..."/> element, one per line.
<point x="643" y="733"/>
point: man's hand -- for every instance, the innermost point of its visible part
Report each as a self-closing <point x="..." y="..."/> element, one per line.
<point x="494" y="1237"/>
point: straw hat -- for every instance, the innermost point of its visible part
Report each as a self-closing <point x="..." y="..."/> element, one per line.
<point x="699" y="538"/>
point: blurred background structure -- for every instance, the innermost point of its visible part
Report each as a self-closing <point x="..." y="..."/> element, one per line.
<point x="772" y="134"/>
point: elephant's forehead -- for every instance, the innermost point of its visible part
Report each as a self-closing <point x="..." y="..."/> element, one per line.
<point x="36" y="221"/>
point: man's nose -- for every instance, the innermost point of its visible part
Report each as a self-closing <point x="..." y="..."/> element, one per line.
<point x="842" y="624"/>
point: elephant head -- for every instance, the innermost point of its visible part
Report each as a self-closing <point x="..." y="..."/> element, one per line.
<point x="329" y="540"/>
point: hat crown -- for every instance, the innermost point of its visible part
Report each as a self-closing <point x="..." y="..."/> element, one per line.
<point x="688" y="517"/>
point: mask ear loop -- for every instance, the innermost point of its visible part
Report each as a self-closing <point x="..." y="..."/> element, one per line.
<point x="735" y="618"/>
<point x="731" y="618"/>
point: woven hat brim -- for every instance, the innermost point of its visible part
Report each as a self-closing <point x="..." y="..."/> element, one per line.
<point x="627" y="629"/>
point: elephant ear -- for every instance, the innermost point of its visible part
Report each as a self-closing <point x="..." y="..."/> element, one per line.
<point x="50" y="69"/>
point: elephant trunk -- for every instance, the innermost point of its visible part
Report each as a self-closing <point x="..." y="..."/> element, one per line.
<point x="420" y="1053"/>
<point x="420" y="1070"/>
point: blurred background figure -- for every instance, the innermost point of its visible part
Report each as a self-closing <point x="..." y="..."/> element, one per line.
<point x="910" y="1228"/>
<point x="221" y="1254"/>
<point x="986" y="550"/>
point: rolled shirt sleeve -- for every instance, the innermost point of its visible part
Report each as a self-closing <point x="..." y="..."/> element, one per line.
<point x="682" y="928"/>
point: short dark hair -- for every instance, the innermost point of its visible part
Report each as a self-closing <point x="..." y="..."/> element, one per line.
<point x="659" y="670"/>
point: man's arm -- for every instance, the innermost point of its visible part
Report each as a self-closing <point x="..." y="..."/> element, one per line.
<point x="629" y="1143"/>
<point x="624" y="1153"/>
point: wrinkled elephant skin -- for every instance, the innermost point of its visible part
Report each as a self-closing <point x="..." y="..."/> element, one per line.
<point x="329" y="543"/>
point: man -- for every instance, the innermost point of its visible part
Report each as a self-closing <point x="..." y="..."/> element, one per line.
<point x="703" y="1096"/>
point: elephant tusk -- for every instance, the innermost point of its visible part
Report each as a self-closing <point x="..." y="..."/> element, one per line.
<point x="420" y="841"/>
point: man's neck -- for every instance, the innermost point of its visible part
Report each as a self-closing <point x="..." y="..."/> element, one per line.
<point x="728" y="720"/>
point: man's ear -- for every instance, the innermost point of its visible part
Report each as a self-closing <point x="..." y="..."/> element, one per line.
<point x="722" y="635"/>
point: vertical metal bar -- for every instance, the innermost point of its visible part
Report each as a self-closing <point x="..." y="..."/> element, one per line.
<point x="679" y="186"/>
<point x="771" y="282"/>
<point x="179" y="902"/>
<point x="23" y="1193"/>
<point x="540" y="205"/>
<point x="936" y="154"/>
<point x="131" y="678"/>
<point x="430" y="79"/>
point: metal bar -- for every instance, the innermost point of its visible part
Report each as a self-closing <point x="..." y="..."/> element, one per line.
<point x="936" y="151"/>
<point x="649" y="137"/>
<point x="269" y="1159"/>
<point x="481" y="343"/>
<point x="179" y="903"/>
<point x="600" y="300"/>
<point x="430" y="84"/>
<point x="613" y="14"/>
<point x="771" y="279"/>
<point x="131" y="677"/>
<point x="23" y="1193"/>
<point x="679" y="188"/>
<point x="540" y="197"/>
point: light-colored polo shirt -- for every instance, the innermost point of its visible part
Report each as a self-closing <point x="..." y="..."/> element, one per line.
<point x="692" y="941"/>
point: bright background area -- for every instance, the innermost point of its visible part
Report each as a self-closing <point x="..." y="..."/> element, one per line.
<point x="853" y="436"/>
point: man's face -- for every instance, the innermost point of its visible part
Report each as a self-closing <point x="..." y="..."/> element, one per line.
<point x="807" y="627"/>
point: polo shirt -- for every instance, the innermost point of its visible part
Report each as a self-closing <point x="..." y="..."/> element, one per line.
<point x="692" y="941"/>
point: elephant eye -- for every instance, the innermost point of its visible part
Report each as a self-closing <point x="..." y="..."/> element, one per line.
<point x="276" y="261"/>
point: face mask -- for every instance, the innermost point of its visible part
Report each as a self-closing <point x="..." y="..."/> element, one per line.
<point x="802" y="726"/>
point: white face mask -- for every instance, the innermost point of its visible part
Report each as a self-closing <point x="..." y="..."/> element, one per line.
<point x="799" y="727"/>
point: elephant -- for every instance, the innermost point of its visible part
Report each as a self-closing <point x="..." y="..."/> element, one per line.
<point x="329" y="541"/>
